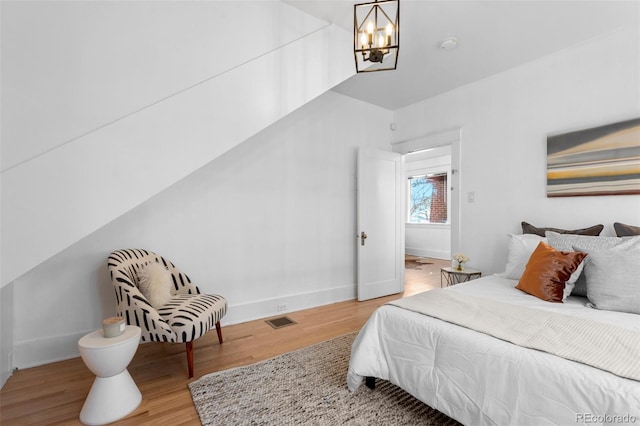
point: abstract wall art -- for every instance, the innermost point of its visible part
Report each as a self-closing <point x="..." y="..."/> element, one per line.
<point x="602" y="160"/>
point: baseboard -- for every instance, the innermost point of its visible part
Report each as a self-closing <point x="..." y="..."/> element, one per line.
<point x="4" y="376"/>
<point x="295" y="302"/>
<point x="435" y="254"/>
<point x="41" y="351"/>
<point x="33" y="353"/>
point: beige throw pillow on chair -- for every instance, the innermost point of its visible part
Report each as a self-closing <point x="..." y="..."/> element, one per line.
<point x="154" y="282"/>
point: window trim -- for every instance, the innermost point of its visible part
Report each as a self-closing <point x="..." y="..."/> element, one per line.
<point x="427" y="172"/>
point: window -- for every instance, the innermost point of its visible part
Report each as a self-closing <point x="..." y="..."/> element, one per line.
<point x="428" y="198"/>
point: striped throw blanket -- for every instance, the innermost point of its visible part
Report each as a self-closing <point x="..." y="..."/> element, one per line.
<point x="607" y="347"/>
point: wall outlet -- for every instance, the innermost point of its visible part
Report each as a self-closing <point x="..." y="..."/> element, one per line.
<point x="282" y="307"/>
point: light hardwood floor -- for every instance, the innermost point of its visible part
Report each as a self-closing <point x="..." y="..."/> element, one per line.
<point x="54" y="393"/>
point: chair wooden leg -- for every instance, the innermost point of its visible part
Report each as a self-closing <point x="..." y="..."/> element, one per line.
<point x="219" y="330"/>
<point x="190" y="358"/>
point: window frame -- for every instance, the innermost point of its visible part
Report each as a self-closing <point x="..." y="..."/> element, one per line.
<point x="430" y="172"/>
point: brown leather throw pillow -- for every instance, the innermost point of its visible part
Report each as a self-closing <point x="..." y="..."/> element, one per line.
<point x="547" y="271"/>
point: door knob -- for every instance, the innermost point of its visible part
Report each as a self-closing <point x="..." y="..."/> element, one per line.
<point x="363" y="236"/>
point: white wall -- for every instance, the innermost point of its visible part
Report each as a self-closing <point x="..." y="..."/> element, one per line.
<point x="270" y="222"/>
<point x="72" y="67"/>
<point x="6" y="333"/>
<point x="433" y="239"/>
<point x="106" y="104"/>
<point x="505" y="120"/>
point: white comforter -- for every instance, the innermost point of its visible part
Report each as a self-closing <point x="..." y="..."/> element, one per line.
<point x="481" y="380"/>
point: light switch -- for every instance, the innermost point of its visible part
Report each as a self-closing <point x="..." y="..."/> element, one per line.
<point x="471" y="197"/>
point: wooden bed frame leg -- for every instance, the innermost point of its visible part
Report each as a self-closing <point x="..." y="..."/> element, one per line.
<point x="190" y="358"/>
<point x="370" y="382"/>
<point x="219" y="330"/>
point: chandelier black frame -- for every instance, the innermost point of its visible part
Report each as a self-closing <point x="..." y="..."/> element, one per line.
<point x="376" y="35"/>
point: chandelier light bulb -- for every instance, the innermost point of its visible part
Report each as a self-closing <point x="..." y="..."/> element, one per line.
<point x="370" y="27"/>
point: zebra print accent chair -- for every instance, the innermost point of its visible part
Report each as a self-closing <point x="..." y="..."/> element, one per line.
<point x="187" y="316"/>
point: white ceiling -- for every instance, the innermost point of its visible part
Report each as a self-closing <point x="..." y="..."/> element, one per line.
<point x="493" y="36"/>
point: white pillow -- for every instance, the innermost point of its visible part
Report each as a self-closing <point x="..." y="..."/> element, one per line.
<point x="154" y="282"/>
<point x="520" y="249"/>
<point x="570" y="285"/>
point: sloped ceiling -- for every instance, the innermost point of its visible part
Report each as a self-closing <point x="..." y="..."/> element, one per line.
<point x="106" y="104"/>
<point x="493" y="36"/>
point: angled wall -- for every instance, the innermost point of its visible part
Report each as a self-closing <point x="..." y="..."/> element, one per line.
<point x="201" y="130"/>
<point x="106" y="104"/>
<point x="271" y="222"/>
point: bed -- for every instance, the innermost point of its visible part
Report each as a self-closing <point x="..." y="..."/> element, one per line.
<point x="479" y="379"/>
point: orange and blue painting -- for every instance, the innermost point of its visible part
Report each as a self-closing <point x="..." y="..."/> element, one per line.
<point x="602" y="160"/>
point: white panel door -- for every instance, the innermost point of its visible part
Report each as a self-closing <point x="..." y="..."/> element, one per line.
<point x="380" y="220"/>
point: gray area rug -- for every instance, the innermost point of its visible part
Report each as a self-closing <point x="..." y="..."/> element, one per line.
<point x="305" y="387"/>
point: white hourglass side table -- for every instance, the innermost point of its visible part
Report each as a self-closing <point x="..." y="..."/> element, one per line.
<point x="113" y="394"/>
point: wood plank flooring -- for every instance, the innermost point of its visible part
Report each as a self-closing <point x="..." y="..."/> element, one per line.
<point x="54" y="393"/>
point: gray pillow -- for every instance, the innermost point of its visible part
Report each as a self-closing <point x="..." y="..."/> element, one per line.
<point x="623" y="230"/>
<point x="613" y="279"/>
<point x="528" y="228"/>
<point x="566" y="242"/>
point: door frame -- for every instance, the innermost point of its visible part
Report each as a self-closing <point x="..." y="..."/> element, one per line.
<point x="451" y="137"/>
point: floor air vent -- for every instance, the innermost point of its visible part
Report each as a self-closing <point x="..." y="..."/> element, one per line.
<point x="280" y="322"/>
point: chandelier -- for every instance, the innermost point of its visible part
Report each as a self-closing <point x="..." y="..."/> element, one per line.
<point x="376" y="35"/>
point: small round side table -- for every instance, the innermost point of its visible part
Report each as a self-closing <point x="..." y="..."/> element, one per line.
<point x="113" y="394"/>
